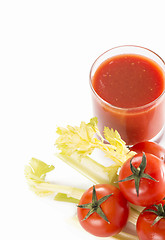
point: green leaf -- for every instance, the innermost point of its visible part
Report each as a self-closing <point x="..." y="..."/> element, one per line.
<point x="113" y="137"/>
<point x="37" y="170"/>
<point x="80" y="139"/>
<point x="85" y="138"/>
<point x="35" y="174"/>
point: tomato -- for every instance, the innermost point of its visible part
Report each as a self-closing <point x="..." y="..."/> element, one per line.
<point x="146" y="228"/>
<point x="114" y="211"/>
<point x="142" y="179"/>
<point x="149" y="147"/>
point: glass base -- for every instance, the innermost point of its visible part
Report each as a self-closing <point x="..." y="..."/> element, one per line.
<point x="160" y="137"/>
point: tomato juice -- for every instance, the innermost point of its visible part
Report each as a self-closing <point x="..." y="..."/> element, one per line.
<point x="128" y="93"/>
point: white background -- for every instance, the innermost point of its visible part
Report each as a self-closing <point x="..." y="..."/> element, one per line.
<point x="46" y="51"/>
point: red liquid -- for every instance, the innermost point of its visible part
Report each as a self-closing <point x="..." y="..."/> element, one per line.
<point x="130" y="82"/>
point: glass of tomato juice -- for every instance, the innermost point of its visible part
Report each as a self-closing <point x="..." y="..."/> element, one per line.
<point x="128" y="92"/>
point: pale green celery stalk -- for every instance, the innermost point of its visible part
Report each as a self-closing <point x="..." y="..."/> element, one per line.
<point x="133" y="216"/>
<point x="76" y="144"/>
<point x="126" y="236"/>
<point x="62" y="197"/>
<point x="41" y="188"/>
<point x="91" y="169"/>
<point x="137" y="208"/>
<point x="97" y="173"/>
<point x="134" y="213"/>
<point x="35" y="174"/>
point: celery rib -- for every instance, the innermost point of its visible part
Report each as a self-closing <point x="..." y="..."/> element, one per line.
<point x="88" y="167"/>
<point x="126" y="236"/>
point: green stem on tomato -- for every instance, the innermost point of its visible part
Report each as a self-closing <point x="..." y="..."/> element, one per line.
<point x="35" y="174"/>
<point x="97" y="173"/>
<point x="133" y="216"/>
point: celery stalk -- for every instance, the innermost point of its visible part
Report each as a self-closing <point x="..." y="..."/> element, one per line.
<point x="76" y="144"/>
<point x="94" y="171"/>
<point x="126" y="236"/>
<point x="73" y="192"/>
<point x="62" y="197"/>
<point x="35" y="174"/>
<point x="133" y="216"/>
<point x="97" y="173"/>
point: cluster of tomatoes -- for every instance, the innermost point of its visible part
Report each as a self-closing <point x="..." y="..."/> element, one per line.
<point x="103" y="209"/>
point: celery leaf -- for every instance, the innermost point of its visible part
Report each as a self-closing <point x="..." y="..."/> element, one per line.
<point x="85" y="138"/>
<point x="35" y="174"/>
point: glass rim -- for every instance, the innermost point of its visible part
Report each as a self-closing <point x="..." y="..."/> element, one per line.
<point x="121" y="108"/>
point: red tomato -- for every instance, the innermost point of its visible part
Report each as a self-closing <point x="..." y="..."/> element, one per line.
<point x="146" y="230"/>
<point x="150" y="191"/>
<point x="115" y="208"/>
<point x="149" y="147"/>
